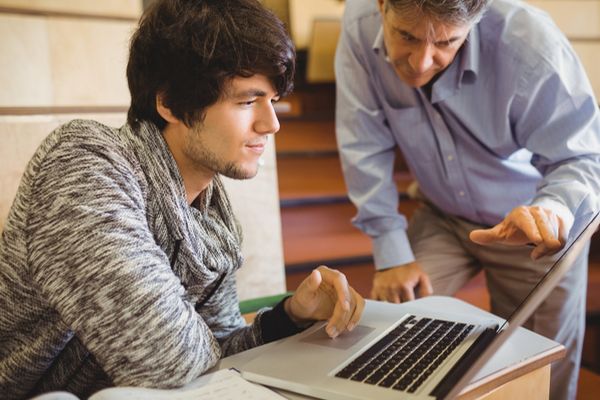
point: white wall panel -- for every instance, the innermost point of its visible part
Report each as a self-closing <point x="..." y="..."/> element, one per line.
<point x="576" y="18"/>
<point x="20" y="136"/>
<point x="55" y="61"/>
<point x="589" y="53"/>
<point x="88" y="60"/>
<point x="25" y="73"/>
<point x="303" y="13"/>
<point x="106" y="8"/>
<point x="256" y="204"/>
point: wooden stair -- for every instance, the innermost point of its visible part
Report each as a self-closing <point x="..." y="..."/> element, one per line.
<point x="315" y="210"/>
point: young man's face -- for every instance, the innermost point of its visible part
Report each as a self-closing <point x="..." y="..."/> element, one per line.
<point x="234" y="132"/>
<point x="421" y="48"/>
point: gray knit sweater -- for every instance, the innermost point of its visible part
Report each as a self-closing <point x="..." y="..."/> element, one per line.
<point x="108" y="277"/>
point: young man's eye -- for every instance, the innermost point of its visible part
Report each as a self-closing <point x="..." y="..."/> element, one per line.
<point x="248" y="102"/>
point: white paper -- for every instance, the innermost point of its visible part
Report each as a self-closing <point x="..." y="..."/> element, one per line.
<point x="220" y="385"/>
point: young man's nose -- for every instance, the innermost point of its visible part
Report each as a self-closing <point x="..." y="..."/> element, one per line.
<point x="267" y="121"/>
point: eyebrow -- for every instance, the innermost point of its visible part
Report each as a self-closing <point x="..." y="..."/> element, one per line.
<point x="248" y="93"/>
<point x="406" y="33"/>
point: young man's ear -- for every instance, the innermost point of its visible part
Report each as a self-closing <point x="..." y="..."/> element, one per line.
<point x="164" y="111"/>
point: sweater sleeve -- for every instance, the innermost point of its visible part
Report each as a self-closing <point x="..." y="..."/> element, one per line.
<point x="270" y="324"/>
<point x="94" y="260"/>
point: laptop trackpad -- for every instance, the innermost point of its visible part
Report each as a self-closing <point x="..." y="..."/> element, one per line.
<point x="342" y="342"/>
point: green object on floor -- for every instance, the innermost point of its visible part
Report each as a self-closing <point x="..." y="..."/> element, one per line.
<point x="253" y="305"/>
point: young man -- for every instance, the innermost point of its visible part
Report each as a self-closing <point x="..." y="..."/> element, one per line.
<point x="496" y="119"/>
<point x="118" y="257"/>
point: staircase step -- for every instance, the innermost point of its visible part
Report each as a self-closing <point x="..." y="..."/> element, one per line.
<point x="319" y="177"/>
<point x="310" y="177"/>
<point x="320" y="233"/>
<point x="360" y="277"/>
<point x="300" y="136"/>
<point x="593" y="292"/>
<point x="324" y="232"/>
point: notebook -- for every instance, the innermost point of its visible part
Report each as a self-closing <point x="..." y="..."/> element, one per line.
<point x="392" y="355"/>
<point x="225" y="384"/>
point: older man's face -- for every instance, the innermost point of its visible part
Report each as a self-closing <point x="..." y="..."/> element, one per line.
<point x="419" y="48"/>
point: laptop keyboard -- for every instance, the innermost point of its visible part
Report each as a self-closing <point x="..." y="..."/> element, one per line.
<point x="405" y="357"/>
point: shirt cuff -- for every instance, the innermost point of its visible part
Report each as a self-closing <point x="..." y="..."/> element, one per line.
<point x="392" y="249"/>
<point x="559" y="209"/>
<point x="276" y="324"/>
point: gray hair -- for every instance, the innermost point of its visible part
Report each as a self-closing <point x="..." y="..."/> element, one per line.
<point x="455" y="12"/>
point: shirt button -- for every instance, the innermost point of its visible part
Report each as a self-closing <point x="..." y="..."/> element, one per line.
<point x="450" y="157"/>
<point x="461" y="193"/>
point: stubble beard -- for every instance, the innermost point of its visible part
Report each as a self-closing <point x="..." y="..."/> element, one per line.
<point x="200" y="155"/>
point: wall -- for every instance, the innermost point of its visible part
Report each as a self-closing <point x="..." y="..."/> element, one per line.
<point x="65" y="59"/>
<point x="580" y="21"/>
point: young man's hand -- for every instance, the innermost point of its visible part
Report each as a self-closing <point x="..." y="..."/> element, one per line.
<point x="326" y="295"/>
<point x="528" y="225"/>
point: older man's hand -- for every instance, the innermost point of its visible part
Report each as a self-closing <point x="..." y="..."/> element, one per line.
<point x="528" y="225"/>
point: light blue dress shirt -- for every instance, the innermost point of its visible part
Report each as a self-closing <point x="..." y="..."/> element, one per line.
<point x="512" y="121"/>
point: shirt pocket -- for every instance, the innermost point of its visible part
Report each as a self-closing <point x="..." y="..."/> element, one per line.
<point x="412" y="132"/>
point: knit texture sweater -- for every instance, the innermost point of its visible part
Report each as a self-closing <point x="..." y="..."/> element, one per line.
<point x="107" y="275"/>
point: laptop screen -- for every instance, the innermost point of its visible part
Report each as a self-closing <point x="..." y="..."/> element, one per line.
<point x="580" y="227"/>
<point x="581" y="232"/>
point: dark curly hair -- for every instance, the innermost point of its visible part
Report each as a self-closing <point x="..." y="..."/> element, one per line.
<point x="188" y="50"/>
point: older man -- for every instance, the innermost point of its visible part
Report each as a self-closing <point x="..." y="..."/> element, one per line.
<point x="498" y="123"/>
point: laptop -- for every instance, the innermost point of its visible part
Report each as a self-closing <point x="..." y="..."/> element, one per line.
<point x="392" y="354"/>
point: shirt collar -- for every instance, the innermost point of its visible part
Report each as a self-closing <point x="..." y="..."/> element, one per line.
<point x="463" y="69"/>
<point x="471" y="52"/>
<point x="378" y="45"/>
